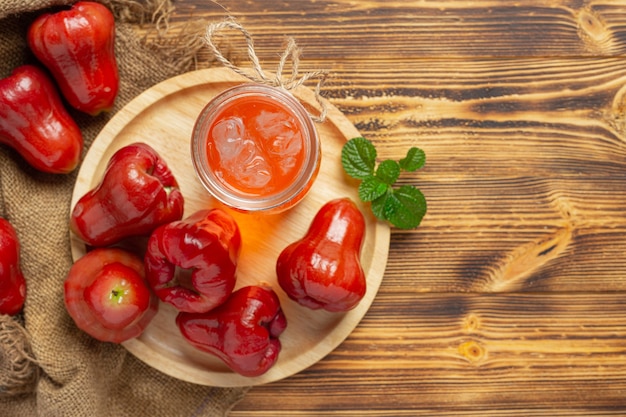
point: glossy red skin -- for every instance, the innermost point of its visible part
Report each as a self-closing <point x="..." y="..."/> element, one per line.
<point x="191" y="264"/>
<point x="323" y="269"/>
<point x="100" y="324"/>
<point x="118" y="296"/>
<point x="243" y="332"/>
<point x="138" y="193"/>
<point x="77" y="46"/>
<point x="34" y="122"/>
<point x="12" y="282"/>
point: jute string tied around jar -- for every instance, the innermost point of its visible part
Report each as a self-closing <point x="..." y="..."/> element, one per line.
<point x="292" y="52"/>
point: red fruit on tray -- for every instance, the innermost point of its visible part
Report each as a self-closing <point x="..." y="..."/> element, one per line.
<point x="323" y="269"/>
<point x="107" y="296"/>
<point x="191" y="263"/>
<point x="137" y="193"/>
<point x="243" y="332"/>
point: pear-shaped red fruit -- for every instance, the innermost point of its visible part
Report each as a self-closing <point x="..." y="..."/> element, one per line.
<point x="244" y="332"/>
<point x="34" y="122"/>
<point x="323" y="269"/>
<point x="12" y="282"/>
<point x="77" y="45"/>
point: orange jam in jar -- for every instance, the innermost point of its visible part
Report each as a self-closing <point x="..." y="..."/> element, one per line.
<point x="255" y="148"/>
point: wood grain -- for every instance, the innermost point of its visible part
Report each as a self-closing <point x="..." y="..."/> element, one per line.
<point x="457" y="352"/>
<point x="508" y="300"/>
<point x="391" y="30"/>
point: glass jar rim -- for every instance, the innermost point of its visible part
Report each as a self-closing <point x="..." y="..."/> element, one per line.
<point x="239" y="200"/>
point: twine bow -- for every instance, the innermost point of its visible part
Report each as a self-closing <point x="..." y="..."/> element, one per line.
<point x="292" y="52"/>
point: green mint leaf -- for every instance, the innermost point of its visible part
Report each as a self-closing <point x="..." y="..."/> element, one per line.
<point x="358" y="157"/>
<point x="388" y="171"/>
<point x="372" y="188"/>
<point x="414" y="160"/>
<point x="378" y="205"/>
<point x="405" y="207"/>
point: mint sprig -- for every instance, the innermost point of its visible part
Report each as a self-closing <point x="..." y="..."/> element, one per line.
<point x="404" y="206"/>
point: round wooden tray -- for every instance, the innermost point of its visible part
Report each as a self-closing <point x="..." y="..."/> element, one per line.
<point x="163" y="117"/>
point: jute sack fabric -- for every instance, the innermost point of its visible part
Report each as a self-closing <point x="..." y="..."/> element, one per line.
<point x="72" y="374"/>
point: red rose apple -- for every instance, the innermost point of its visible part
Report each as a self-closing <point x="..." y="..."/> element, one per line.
<point x="107" y="296"/>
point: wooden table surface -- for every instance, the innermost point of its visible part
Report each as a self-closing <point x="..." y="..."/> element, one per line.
<point x="509" y="299"/>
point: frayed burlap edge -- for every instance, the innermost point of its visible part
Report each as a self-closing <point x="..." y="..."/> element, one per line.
<point x="19" y="371"/>
<point x="180" y="44"/>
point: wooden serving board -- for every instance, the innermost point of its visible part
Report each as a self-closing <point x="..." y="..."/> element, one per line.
<point x="163" y="117"/>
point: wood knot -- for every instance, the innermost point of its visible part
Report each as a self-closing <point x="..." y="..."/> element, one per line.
<point x="512" y="271"/>
<point x="471" y="323"/>
<point x="472" y="351"/>
<point x="617" y="118"/>
<point x="597" y="37"/>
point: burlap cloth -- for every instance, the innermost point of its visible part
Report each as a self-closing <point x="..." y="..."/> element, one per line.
<point x="71" y="373"/>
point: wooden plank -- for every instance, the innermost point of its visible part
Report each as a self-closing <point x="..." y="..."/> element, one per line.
<point x="508" y="300"/>
<point x="467" y="354"/>
<point x="532" y="166"/>
<point x="362" y="30"/>
<point x="525" y="174"/>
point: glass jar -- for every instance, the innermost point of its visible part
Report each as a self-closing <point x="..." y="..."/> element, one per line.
<point x="255" y="148"/>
